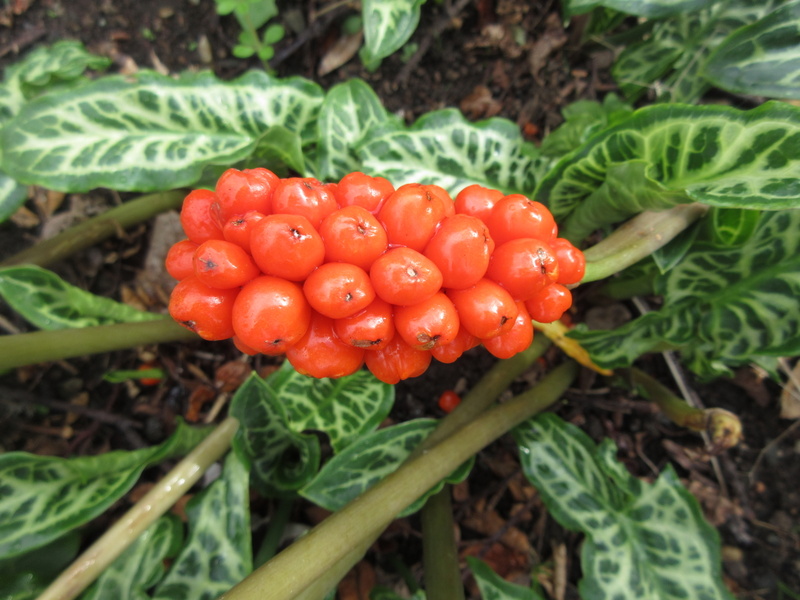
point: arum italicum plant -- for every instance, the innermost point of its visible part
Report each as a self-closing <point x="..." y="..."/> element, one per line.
<point x="694" y="204"/>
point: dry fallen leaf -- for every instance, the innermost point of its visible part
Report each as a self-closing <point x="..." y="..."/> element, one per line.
<point x="790" y="395"/>
<point x="342" y="51"/>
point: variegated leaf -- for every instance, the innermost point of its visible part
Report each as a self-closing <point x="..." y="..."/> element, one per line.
<point x="282" y="460"/>
<point x="368" y="460"/>
<point x="217" y="554"/>
<point x="12" y="194"/>
<point x="712" y="154"/>
<point x="134" y="573"/>
<point x="49" y="302"/>
<point x="761" y="59"/>
<point x="388" y="24"/>
<point x="345" y="409"/>
<point x="151" y="133"/>
<point x="444" y="148"/>
<point x="723" y="306"/>
<point x="642" y="8"/>
<point x="64" y="60"/>
<point x="26" y="576"/>
<point x="349" y="111"/>
<point x="43" y="497"/>
<point x="642" y="540"/>
<point x="731" y="226"/>
<point x="493" y="587"/>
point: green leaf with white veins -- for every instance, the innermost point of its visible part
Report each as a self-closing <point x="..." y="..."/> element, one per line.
<point x="444" y="148"/>
<point x="388" y="24"/>
<point x="49" y="302"/>
<point x="135" y="572"/>
<point x="723" y="306"/>
<point x="762" y="59"/>
<point x="368" y="460"/>
<point x="43" y="497"/>
<point x="217" y="554"/>
<point x="349" y="111"/>
<point x="642" y="8"/>
<point x="711" y="154"/>
<point x="282" y="459"/>
<point x="12" y="194"/>
<point x="494" y="587"/>
<point x="642" y="540"/>
<point x="345" y="408"/>
<point x="151" y="133"/>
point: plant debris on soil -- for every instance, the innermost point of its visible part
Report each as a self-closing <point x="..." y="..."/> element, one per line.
<point x="507" y="58"/>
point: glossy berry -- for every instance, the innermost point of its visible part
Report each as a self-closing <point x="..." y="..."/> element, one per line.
<point x="358" y="189"/>
<point x="451" y="352"/>
<point x="403" y="276"/>
<point x="338" y="290"/>
<point x="397" y="361"/>
<point x="286" y="246"/>
<point x="202" y="309"/>
<point x="516" y="216"/>
<point x="179" y="259"/>
<point x="523" y="267"/>
<point x="223" y="265"/>
<point x="304" y="196"/>
<point x="319" y="353"/>
<point x="242" y="347"/>
<point x="485" y="309"/>
<point x="516" y="339"/>
<point x="412" y="214"/>
<point x="354" y="235"/>
<point x="242" y="191"/>
<point x="571" y="261"/>
<point x="461" y="248"/>
<point x="430" y="323"/>
<point x="477" y="201"/>
<point x="239" y="228"/>
<point x="448" y="401"/>
<point x="550" y="303"/>
<point x="270" y="314"/>
<point x="370" y="329"/>
<point x="200" y="216"/>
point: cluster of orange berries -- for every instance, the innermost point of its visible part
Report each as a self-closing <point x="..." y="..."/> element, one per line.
<point x="336" y="275"/>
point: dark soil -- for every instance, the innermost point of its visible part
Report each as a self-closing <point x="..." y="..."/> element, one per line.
<point x="508" y="58"/>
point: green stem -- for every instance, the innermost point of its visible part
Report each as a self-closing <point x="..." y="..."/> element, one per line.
<point x="724" y="427"/>
<point x="439" y="550"/>
<point x="486" y="391"/>
<point x="88" y="566"/>
<point x="277" y="525"/>
<point x="44" y="346"/>
<point x="638" y="238"/>
<point x="311" y="557"/>
<point x="96" y="229"/>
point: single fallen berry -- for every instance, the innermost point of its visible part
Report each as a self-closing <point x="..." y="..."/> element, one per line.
<point x="448" y="401"/>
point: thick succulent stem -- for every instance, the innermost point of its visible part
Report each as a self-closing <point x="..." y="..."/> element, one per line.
<point x="439" y="550"/>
